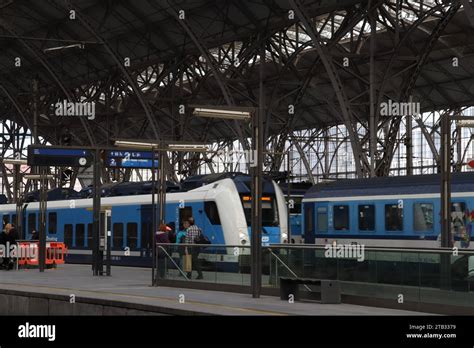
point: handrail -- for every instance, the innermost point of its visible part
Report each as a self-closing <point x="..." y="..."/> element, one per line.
<point x="177" y="267"/>
<point x="322" y="247"/>
<point x="287" y="267"/>
<point x="386" y="249"/>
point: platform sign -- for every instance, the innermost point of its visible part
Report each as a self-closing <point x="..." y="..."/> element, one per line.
<point x="129" y="159"/>
<point x="61" y="157"/>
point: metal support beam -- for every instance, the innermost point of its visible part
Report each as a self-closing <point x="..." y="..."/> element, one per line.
<point x="446" y="181"/>
<point x="96" y="215"/>
<point x="372" y="124"/>
<point x="256" y="220"/>
<point x="42" y="217"/>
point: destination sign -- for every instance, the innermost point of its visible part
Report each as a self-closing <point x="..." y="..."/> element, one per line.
<point x="130" y="159"/>
<point x="60" y="157"/>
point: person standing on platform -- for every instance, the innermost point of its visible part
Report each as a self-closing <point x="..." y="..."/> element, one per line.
<point x="162" y="238"/>
<point x="180" y="240"/>
<point x="192" y="232"/>
<point x="8" y="238"/>
<point x="34" y="235"/>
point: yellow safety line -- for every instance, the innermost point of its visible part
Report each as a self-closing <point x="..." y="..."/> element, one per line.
<point x="155" y="297"/>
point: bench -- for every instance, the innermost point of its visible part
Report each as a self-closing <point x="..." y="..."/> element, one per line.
<point x="330" y="289"/>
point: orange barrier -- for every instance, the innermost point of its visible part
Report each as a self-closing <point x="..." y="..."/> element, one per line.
<point x="55" y="253"/>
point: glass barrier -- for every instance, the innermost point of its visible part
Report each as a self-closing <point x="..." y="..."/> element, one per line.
<point x="221" y="264"/>
<point x="420" y="275"/>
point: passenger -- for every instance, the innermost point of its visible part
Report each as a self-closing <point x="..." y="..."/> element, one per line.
<point x="180" y="240"/>
<point x="34" y="235"/>
<point x="7" y="238"/>
<point x="192" y="232"/>
<point x="162" y="238"/>
<point x="181" y="235"/>
<point x="171" y="231"/>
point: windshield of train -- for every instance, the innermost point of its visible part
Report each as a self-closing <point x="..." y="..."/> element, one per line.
<point x="269" y="210"/>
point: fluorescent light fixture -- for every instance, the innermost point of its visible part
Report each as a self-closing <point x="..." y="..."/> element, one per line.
<point x="220" y="113"/>
<point x="14" y="161"/>
<point x="135" y="144"/>
<point x="188" y="147"/>
<point x="37" y="176"/>
<point x="58" y="48"/>
<point x="465" y="123"/>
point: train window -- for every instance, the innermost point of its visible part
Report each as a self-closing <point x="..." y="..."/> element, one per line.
<point x="296" y="205"/>
<point x="118" y="235"/>
<point x="366" y="217"/>
<point x="31" y="222"/>
<point x="132" y="235"/>
<point x="80" y="234"/>
<point x="212" y="212"/>
<point x="341" y="217"/>
<point x="322" y="219"/>
<point x="458" y="207"/>
<point x="13" y="219"/>
<point x="6" y="219"/>
<point x="393" y="217"/>
<point x="68" y="235"/>
<point x="89" y="235"/>
<point x="52" y="223"/>
<point x="423" y="216"/>
<point x="185" y="213"/>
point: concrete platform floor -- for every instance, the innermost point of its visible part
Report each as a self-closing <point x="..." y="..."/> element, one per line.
<point x="132" y="285"/>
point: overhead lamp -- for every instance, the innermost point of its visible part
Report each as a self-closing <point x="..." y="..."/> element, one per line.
<point x="222" y="113"/>
<point x="59" y="48"/>
<point x="465" y="123"/>
<point x="188" y="147"/>
<point x="38" y="176"/>
<point x="135" y="144"/>
<point x="15" y="161"/>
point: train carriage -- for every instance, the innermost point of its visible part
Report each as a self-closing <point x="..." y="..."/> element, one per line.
<point x="221" y="206"/>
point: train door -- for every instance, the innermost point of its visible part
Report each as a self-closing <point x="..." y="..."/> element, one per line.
<point x="309" y="217"/>
<point x="322" y="220"/>
<point x="146" y="237"/>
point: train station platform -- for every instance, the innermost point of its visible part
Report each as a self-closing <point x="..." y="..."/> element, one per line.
<point x="73" y="290"/>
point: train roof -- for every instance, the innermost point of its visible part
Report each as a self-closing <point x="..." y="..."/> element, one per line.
<point x="392" y="185"/>
<point x="296" y="188"/>
<point x="128" y="189"/>
<point x="242" y="181"/>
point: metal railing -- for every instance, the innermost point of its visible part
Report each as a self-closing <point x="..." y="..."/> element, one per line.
<point x="440" y="276"/>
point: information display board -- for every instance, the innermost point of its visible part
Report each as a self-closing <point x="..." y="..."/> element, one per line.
<point x="130" y="159"/>
<point x="59" y="156"/>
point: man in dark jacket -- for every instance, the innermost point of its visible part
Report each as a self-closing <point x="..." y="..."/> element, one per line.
<point x="8" y="238"/>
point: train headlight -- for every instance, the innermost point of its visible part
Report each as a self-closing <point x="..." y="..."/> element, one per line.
<point x="243" y="240"/>
<point x="284" y="236"/>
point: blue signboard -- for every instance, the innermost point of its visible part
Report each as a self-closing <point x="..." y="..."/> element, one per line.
<point x="54" y="156"/>
<point x="130" y="159"/>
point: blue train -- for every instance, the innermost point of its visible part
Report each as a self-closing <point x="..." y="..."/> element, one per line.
<point x="297" y="192"/>
<point x="388" y="211"/>
<point x="220" y="204"/>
